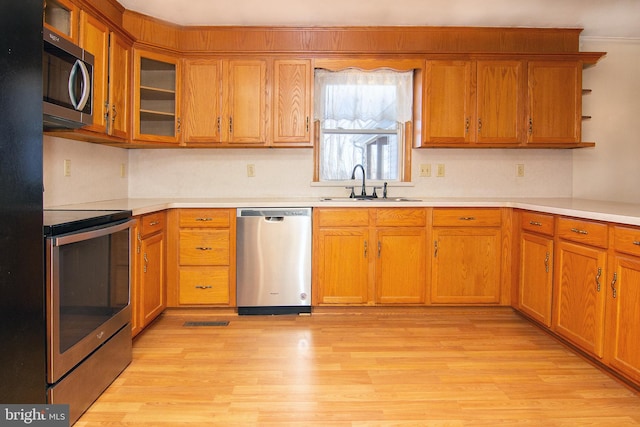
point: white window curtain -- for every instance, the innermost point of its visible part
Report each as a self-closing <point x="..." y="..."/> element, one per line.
<point x="356" y="100"/>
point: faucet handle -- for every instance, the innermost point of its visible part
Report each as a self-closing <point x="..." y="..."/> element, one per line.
<point x="353" y="193"/>
<point x="374" y="194"/>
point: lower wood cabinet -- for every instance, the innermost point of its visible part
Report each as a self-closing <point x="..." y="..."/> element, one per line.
<point x="202" y="257"/>
<point x="369" y="256"/>
<point x="579" y="284"/>
<point x="148" y="287"/>
<point x="467" y="255"/>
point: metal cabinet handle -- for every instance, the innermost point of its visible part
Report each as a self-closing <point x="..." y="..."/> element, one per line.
<point x="577" y="230"/>
<point x="204" y="248"/>
<point x="218" y="124"/>
<point x="115" y="113"/>
<point x="530" y="125"/>
<point x="204" y="219"/>
<point x="536" y="223"/>
<point x="230" y="124"/>
<point x="435" y="248"/>
<point x="307" y="123"/>
<point x="598" y="279"/>
<point x="636" y="242"/>
<point x="179" y="128"/>
<point x="139" y="243"/>
<point x="146" y="261"/>
<point x="546" y="263"/>
<point x="466" y="125"/>
<point x="614" y="291"/>
<point x="365" y="248"/>
<point x="152" y="223"/>
<point x="379" y="248"/>
<point x="467" y="218"/>
<point x="203" y="286"/>
<point x="479" y="125"/>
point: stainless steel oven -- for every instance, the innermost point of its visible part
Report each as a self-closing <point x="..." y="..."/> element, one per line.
<point x="88" y="312"/>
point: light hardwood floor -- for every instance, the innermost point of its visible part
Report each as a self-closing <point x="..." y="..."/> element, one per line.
<point x="413" y="367"/>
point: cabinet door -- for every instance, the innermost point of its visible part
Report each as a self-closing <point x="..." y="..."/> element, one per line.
<point x="555" y="102"/>
<point x="156" y="107"/>
<point x="400" y="265"/>
<point x="466" y="265"/>
<point x="119" y="91"/>
<point x="245" y="102"/>
<point x="500" y="102"/>
<point x="292" y="102"/>
<point x="536" y="277"/>
<point x="448" y="102"/>
<point x="202" y="79"/>
<point x="342" y="276"/>
<point x="94" y="38"/>
<point x="152" y="283"/>
<point x="579" y="295"/>
<point x="623" y="325"/>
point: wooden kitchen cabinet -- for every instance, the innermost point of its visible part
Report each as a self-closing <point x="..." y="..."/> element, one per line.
<point x="580" y="282"/>
<point x="622" y="346"/>
<point x="468" y="102"/>
<point x="202" y="254"/>
<point x="535" y="279"/>
<point x="149" y="290"/>
<point x="466" y="256"/>
<point x="292" y="102"/>
<point x="555" y="102"/>
<point x="156" y="106"/>
<point x="61" y="16"/>
<point x="369" y="256"/>
<point x="111" y="73"/>
<point x="202" y="100"/>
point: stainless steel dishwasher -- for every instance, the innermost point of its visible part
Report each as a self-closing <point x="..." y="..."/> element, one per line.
<point x="273" y="260"/>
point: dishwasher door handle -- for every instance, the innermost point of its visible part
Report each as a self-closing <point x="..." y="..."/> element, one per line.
<point x="274" y="218"/>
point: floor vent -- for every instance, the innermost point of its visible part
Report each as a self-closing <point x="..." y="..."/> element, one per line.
<point x="207" y="323"/>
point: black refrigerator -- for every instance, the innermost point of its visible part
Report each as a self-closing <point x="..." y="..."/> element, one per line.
<point x="22" y="295"/>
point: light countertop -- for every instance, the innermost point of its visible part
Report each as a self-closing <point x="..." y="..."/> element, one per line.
<point x="623" y="213"/>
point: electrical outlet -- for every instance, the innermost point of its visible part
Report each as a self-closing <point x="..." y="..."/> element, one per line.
<point x="66" y="171"/>
<point x="123" y="170"/>
<point x="440" y="170"/>
<point x="251" y="170"/>
<point x="520" y="170"/>
<point x="425" y="169"/>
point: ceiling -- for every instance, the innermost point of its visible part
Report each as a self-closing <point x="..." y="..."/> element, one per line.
<point x="599" y="18"/>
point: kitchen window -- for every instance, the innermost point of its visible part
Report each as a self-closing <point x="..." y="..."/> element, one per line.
<point x="362" y="117"/>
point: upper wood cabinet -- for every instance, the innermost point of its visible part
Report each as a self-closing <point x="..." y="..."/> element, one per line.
<point x="292" y="102"/>
<point x="111" y="77"/>
<point x="202" y="100"/>
<point x="156" y="106"/>
<point x="555" y="102"/>
<point x="61" y="16"/>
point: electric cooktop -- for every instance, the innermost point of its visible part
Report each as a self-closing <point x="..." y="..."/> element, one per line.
<point x="62" y="221"/>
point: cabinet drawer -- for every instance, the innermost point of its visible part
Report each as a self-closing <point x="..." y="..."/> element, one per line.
<point x="204" y="247"/>
<point x="204" y="285"/>
<point x="196" y="218"/>
<point x="627" y="240"/>
<point x="538" y="222"/>
<point x="343" y="217"/>
<point x="152" y="223"/>
<point x="583" y="231"/>
<point x="394" y="217"/>
<point x="462" y="217"/>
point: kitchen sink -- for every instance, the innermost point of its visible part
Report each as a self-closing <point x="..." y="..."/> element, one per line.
<point x="369" y="199"/>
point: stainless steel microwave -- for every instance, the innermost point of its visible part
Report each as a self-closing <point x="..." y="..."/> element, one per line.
<point x="67" y="80"/>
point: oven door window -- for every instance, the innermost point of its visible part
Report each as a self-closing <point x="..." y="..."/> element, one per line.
<point x="94" y="284"/>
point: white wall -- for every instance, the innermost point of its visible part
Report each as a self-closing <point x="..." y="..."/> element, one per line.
<point x="95" y="172"/>
<point x="610" y="170"/>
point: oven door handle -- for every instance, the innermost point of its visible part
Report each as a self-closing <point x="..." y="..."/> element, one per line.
<point x="91" y="234"/>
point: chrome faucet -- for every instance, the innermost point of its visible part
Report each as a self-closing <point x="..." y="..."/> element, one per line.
<point x="353" y="176"/>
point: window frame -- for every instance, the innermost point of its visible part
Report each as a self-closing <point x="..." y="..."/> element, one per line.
<point x="401" y="65"/>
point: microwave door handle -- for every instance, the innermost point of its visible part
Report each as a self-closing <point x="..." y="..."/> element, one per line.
<point x="84" y="97"/>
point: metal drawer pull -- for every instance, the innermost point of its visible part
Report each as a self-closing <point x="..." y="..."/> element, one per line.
<point x="536" y="223"/>
<point x="435" y="248"/>
<point x="204" y="219"/>
<point x="152" y="223"/>
<point x="577" y="230"/>
<point x="467" y="218"/>
<point x="204" y="248"/>
<point x="203" y="286"/>
<point x="365" y="248"/>
<point x="613" y="285"/>
<point x="598" y="279"/>
<point x="637" y="243"/>
<point x="546" y="263"/>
